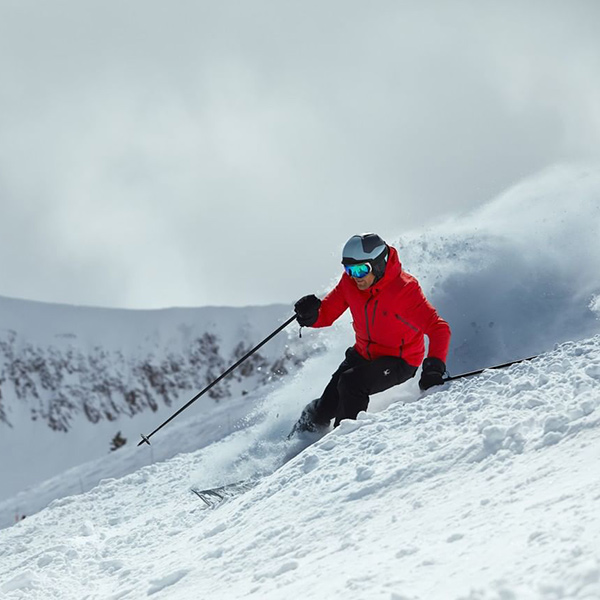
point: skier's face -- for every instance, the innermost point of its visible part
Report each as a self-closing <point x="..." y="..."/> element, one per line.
<point x="364" y="282"/>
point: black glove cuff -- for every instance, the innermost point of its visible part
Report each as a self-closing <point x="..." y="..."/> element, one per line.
<point x="307" y="321"/>
<point x="434" y="365"/>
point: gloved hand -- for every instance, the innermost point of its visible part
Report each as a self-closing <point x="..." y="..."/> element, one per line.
<point x="307" y="310"/>
<point x="433" y="372"/>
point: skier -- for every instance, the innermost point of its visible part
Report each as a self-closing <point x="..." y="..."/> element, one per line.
<point x="390" y="318"/>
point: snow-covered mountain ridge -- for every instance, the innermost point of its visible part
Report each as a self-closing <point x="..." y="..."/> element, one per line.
<point x="64" y="369"/>
<point x="59" y="382"/>
<point x="482" y="490"/>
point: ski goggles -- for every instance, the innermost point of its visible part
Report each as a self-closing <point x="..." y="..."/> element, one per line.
<point x="358" y="271"/>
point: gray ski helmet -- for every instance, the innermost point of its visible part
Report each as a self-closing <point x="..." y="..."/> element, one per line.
<point x="366" y="248"/>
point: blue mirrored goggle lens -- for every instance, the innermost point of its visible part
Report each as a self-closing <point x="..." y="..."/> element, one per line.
<point x="358" y="271"/>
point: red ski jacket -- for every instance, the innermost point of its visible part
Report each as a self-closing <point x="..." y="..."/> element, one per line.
<point x="390" y="318"/>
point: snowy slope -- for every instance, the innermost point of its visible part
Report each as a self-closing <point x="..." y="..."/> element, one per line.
<point x="487" y="489"/>
<point x="260" y="415"/>
<point x="72" y="377"/>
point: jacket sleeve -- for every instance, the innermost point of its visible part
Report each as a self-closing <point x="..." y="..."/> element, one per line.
<point x="332" y="307"/>
<point x="425" y="317"/>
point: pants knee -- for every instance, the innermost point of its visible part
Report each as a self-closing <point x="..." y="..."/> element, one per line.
<point x="348" y="382"/>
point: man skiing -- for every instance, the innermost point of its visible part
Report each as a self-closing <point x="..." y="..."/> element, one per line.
<point x="390" y="316"/>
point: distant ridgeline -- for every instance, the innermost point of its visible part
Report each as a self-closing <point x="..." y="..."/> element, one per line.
<point x="59" y="382"/>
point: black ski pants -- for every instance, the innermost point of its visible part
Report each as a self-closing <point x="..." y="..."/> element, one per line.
<point x="355" y="380"/>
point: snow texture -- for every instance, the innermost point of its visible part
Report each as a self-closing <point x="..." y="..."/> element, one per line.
<point x="483" y="490"/>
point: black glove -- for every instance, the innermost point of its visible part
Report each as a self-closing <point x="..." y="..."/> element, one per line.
<point x="433" y="373"/>
<point x="307" y="310"/>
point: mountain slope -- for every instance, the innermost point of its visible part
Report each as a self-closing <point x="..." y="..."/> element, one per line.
<point x="483" y="490"/>
<point x="72" y="377"/>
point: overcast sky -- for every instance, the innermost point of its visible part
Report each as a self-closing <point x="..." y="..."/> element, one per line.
<point x="195" y="152"/>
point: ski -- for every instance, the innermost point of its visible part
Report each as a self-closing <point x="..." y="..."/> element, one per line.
<point x="305" y="437"/>
<point x="212" y="497"/>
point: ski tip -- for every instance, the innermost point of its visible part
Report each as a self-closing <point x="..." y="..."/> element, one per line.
<point x="144" y="440"/>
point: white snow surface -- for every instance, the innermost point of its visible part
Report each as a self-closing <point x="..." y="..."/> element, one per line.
<point x="485" y="489"/>
<point x="89" y="357"/>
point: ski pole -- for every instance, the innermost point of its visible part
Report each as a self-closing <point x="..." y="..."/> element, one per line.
<point x="146" y="438"/>
<point x="513" y="362"/>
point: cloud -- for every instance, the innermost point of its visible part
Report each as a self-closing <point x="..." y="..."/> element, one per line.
<point x="221" y="153"/>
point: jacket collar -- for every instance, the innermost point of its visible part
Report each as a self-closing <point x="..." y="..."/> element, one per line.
<point x="393" y="269"/>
